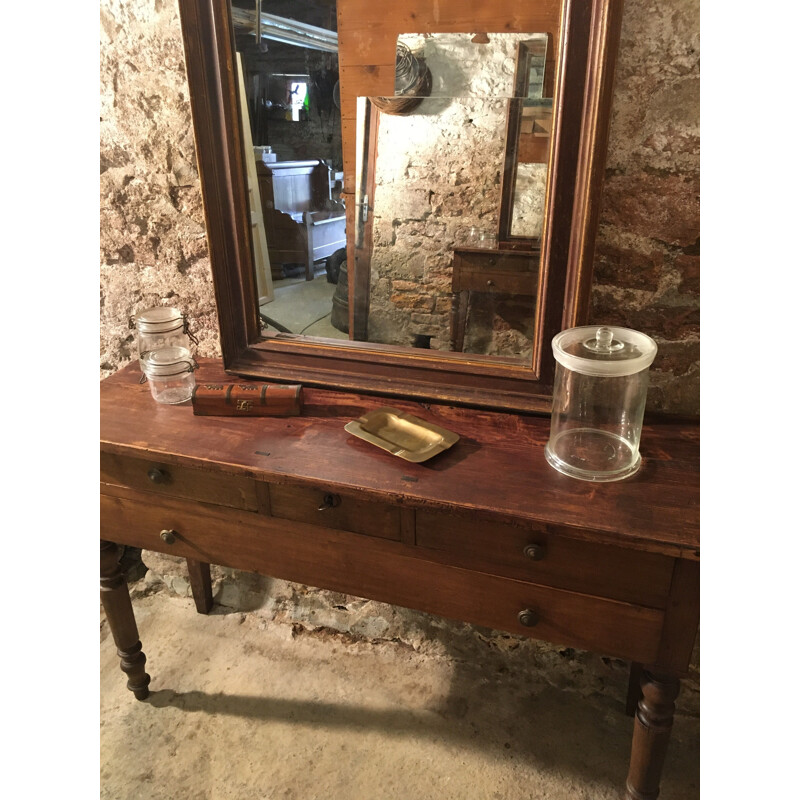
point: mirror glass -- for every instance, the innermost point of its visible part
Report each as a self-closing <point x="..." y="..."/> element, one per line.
<point x="530" y="121"/>
<point x="430" y="183"/>
<point x="432" y="270"/>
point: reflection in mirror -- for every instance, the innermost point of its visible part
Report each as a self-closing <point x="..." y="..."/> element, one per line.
<point x="288" y="89"/>
<point x="430" y="271"/>
<point x="529" y="124"/>
<point x="430" y="274"/>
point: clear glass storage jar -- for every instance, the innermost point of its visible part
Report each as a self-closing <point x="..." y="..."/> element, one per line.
<point x="161" y="327"/>
<point x="599" y="395"/>
<point x="170" y="373"/>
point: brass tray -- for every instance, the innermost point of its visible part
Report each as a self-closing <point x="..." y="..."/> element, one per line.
<point x="402" y="434"/>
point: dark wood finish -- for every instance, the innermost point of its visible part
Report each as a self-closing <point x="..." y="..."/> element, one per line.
<point x="247" y="399"/>
<point x="200" y="581"/>
<point x="367" y="35"/>
<point x="603" y="47"/>
<point x="380" y="570"/>
<point x="532" y="148"/>
<point x="117" y="604"/>
<point x="495" y="271"/>
<point x="651" y="729"/>
<point x="486" y="532"/>
<point x="287" y="241"/>
<point x="580" y="566"/>
<point x="216" y="117"/>
<point x="521" y="147"/>
<point x="343" y="512"/>
<point x="680" y="632"/>
<point x="360" y="249"/>
<point x="175" y="480"/>
<point x="498" y="468"/>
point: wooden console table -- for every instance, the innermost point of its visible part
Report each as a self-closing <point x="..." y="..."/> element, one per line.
<point x="486" y="532"/>
<point x="488" y="271"/>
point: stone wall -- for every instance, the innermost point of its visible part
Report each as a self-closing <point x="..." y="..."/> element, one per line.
<point x="153" y="248"/>
<point x="647" y="262"/>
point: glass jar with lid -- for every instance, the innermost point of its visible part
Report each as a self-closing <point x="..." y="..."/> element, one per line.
<point x="170" y="373"/>
<point x="599" y="395"/>
<point x="161" y="327"/>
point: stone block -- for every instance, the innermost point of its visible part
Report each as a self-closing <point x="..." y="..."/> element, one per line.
<point x="444" y="305"/>
<point x="661" y="207"/>
<point x="677" y="359"/>
<point x="403" y="203"/>
<point x="689" y="268"/>
<point x="627" y="268"/>
<point x="405" y="286"/>
<point x="415" y="301"/>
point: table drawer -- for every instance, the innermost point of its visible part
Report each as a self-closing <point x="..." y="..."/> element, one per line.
<point x="495" y="271"/>
<point x="343" y="512"/>
<point x="537" y="554"/>
<point x="150" y="475"/>
<point x="380" y="570"/>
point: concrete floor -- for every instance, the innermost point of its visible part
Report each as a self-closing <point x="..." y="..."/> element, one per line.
<point x="304" y="306"/>
<point x="276" y="702"/>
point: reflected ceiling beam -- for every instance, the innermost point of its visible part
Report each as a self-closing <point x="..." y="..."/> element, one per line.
<point x="288" y="31"/>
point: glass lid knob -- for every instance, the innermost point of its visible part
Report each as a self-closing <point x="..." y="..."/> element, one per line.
<point x="603" y="342"/>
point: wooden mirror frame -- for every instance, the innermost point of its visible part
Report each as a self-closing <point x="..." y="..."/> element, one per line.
<point x="589" y="32"/>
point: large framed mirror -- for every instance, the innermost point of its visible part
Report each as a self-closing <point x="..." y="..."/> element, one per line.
<point x="439" y="251"/>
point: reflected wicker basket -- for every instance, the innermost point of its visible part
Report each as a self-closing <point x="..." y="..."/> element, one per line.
<point x="414" y="81"/>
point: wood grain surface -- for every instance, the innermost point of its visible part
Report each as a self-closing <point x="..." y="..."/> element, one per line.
<point x="382" y="570"/>
<point x="497" y="469"/>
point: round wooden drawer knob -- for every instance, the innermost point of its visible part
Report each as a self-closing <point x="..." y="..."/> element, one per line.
<point x="168" y="536"/>
<point x="528" y="617"/>
<point x="158" y="475"/>
<point x="535" y="552"/>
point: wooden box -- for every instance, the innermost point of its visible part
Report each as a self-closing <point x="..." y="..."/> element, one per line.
<point x="247" y="400"/>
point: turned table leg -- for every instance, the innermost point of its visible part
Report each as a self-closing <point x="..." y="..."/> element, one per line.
<point x="119" y="611"/>
<point x="651" y="729"/>
<point x="200" y="581"/>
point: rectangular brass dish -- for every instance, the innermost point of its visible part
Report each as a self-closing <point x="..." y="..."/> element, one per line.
<point x="402" y="434"/>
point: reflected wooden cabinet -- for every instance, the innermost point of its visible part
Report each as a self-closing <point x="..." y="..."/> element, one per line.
<point x="299" y="228"/>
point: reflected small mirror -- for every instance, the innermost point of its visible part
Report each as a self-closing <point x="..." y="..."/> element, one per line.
<point x="529" y="127"/>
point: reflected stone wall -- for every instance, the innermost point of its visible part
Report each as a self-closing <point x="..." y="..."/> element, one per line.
<point x="438" y="174"/>
<point x="528" y="212"/>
